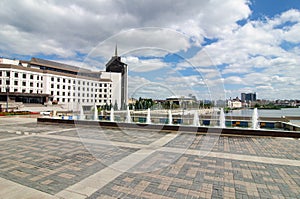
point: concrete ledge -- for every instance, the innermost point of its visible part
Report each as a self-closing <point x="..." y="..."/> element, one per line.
<point x="166" y="127"/>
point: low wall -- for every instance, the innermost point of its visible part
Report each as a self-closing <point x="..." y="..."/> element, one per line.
<point x="183" y="128"/>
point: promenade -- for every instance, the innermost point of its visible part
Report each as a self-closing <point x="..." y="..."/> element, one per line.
<point x="66" y="161"/>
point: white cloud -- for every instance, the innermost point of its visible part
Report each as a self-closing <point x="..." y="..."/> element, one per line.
<point x="139" y="65"/>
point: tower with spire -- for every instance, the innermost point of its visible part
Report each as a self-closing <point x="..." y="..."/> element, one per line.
<point x="115" y="65"/>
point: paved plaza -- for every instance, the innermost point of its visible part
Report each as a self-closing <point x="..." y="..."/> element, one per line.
<point x="72" y="161"/>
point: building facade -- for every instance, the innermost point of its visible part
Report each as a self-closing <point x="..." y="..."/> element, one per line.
<point x="115" y="65"/>
<point x="42" y="81"/>
<point x="248" y="97"/>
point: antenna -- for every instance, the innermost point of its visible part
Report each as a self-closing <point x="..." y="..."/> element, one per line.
<point x="116" y="50"/>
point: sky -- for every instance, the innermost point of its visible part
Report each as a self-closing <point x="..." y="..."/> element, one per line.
<point x="211" y="49"/>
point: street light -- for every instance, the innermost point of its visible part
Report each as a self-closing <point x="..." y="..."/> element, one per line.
<point x="7" y="90"/>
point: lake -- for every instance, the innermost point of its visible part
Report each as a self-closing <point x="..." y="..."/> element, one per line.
<point x="267" y="112"/>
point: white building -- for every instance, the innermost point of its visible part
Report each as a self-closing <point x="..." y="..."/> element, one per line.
<point x="234" y="103"/>
<point x="42" y="81"/>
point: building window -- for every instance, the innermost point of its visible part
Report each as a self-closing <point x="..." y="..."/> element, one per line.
<point x="7" y="73"/>
<point x="31" y="91"/>
<point x="31" y="84"/>
<point x="100" y="90"/>
<point x="0" y="81"/>
<point x="69" y="94"/>
<point x="58" y="80"/>
<point x="16" y="74"/>
<point x="63" y="99"/>
<point x="16" y="83"/>
<point x="23" y="90"/>
<point x="64" y="87"/>
<point x="57" y="92"/>
<point x="88" y="83"/>
<point x="52" y="85"/>
<point x="52" y="79"/>
<point x="63" y="93"/>
<point x="64" y="80"/>
<point x="57" y="86"/>
<point x="105" y="85"/>
<point x="105" y="90"/>
<point x="7" y="82"/>
<point x="31" y="76"/>
<point x="69" y="81"/>
<point x="24" y="76"/>
<point x="15" y="90"/>
<point x="37" y="84"/>
<point x="52" y="92"/>
<point x="38" y="77"/>
<point x="23" y="83"/>
<point x="92" y="84"/>
<point x="41" y="77"/>
<point x="69" y="87"/>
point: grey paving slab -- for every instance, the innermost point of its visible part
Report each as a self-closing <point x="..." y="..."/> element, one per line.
<point x="81" y="162"/>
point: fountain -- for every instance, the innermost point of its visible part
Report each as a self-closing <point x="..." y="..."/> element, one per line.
<point x="222" y="119"/>
<point x="112" y="115"/>
<point x="170" y="117"/>
<point x="128" y="117"/>
<point x="148" y="121"/>
<point x="81" y="116"/>
<point x="255" y="124"/>
<point x="95" y="113"/>
<point x="196" y="118"/>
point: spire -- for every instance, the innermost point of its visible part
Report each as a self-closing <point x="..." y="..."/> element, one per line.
<point x="116" y="51"/>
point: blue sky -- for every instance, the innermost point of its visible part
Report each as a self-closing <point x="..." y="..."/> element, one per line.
<point x="210" y="49"/>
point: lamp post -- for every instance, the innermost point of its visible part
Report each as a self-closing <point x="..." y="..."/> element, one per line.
<point x="7" y="90"/>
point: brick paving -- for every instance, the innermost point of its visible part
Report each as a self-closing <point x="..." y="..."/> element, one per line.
<point x="54" y="158"/>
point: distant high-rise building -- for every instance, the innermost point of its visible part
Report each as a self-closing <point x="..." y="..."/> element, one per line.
<point x="246" y="97"/>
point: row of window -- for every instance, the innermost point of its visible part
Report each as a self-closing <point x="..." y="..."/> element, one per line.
<point x="79" y="82"/>
<point x="16" y="75"/>
<point x="83" y="100"/>
<point x="16" y="83"/>
<point x="78" y="94"/>
<point x="79" y="88"/>
<point x="53" y="79"/>
<point x="21" y="90"/>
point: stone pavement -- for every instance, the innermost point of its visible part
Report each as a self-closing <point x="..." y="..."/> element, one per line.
<point x="64" y="161"/>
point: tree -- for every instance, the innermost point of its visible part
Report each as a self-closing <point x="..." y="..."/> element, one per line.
<point x="116" y="105"/>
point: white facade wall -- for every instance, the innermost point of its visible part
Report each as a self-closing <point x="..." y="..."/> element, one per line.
<point x="9" y="61"/>
<point x="116" y="79"/>
<point x="64" y="89"/>
<point x="234" y="104"/>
